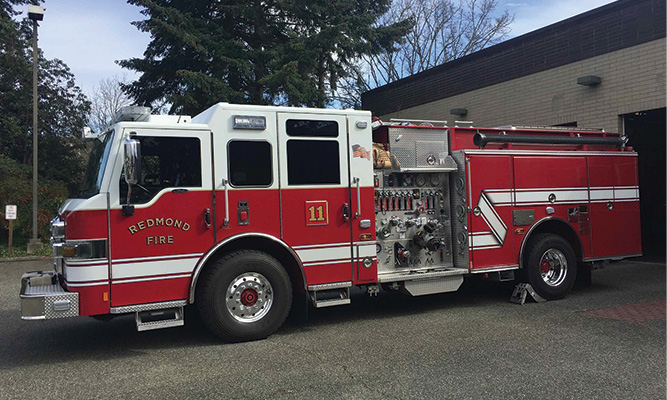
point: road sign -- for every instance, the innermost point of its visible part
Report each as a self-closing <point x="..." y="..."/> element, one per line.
<point x="10" y="212"/>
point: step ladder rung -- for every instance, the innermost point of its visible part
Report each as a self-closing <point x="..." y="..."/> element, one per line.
<point x="158" y="319"/>
<point x="331" y="297"/>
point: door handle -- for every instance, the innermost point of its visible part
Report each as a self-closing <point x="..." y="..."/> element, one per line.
<point x="346" y="212"/>
<point x="225" y="221"/>
<point x="358" y="213"/>
<point x="207" y="218"/>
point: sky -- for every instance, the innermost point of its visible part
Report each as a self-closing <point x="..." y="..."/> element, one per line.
<point x="90" y="36"/>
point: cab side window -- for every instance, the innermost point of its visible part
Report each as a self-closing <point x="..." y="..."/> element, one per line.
<point x="250" y="163"/>
<point x="312" y="156"/>
<point x="166" y="162"/>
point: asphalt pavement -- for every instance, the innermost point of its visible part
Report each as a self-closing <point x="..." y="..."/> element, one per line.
<point x="472" y="344"/>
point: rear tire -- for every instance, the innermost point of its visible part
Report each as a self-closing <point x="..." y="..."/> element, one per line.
<point x="551" y="266"/>
<point x="245" y="295"/>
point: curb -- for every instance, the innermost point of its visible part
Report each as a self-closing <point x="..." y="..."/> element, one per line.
<point x="26" y="258"/>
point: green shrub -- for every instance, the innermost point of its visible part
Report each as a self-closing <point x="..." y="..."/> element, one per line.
<point x="16" y="188"/>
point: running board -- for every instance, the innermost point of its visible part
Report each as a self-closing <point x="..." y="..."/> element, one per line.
<point x="330" y="298"/>
<point x="424" y="286"/>
<point x="158" y="319"/>
<point x="414" y="275"/>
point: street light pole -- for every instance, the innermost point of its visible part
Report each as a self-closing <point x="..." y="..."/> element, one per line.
<point x="35" y="13"/>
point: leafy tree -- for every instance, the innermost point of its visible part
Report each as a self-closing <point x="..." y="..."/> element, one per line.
<point x="290" y="52"/>
<point x="106" y="100"/>
<point x="62" y="113"/>
<point x="16" y="188"/>
<point x="443" y="30"/>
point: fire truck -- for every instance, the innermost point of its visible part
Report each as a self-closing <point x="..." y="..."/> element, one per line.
<point x="244" y="211"/>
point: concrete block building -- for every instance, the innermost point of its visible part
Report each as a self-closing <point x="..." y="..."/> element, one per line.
<point x="601" y="69"/>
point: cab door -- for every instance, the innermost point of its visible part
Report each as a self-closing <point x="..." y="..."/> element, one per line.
<point x="154" y="248"/>
<point x="316" y="210"/>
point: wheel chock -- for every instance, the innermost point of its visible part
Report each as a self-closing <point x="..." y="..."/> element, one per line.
<point x="522" y="290"/>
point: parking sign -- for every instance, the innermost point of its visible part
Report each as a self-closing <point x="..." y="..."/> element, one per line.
<point x="10" y="212"/>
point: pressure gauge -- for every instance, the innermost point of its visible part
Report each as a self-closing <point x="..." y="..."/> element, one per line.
<point x="407" y="180"/>
<point x="435" y="179"/>
<point x="420" y="180"/>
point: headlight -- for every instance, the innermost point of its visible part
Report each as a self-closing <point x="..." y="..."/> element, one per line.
<point x="81" y="249"/>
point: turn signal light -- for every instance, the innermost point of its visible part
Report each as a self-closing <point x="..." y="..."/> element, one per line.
<point x="69" y="251"/>
<point x="365" y="236"/>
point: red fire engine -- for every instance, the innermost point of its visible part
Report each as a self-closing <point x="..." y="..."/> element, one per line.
<point x="241" y="210"/>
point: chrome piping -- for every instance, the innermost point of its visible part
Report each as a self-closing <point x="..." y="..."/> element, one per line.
<point x="535" y="225"/>
<point x="214" y="249"/>
<point x="550" y="152"/>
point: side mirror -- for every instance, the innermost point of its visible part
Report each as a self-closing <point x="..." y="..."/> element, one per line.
<point x="132" y="166"/>
<point x="132" y="161"/>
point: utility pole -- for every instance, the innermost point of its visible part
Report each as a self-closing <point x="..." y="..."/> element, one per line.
<point x="35" y="13"/>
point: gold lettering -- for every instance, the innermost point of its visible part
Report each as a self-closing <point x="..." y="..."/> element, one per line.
<point x="170" y="239"/>
<point x="155" y="222"/>
<point x="163" y="240"/>
<point x="150" y="239"/>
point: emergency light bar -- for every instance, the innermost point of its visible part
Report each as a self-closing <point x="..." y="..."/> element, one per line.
<point x="132" y="113"/>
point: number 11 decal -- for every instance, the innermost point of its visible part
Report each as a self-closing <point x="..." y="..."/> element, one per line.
<point x="317" y="213"/>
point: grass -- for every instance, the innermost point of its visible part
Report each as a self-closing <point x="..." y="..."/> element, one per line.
<point x="19" y="248"/>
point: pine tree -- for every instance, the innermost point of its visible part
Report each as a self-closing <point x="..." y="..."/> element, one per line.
<point x="288" y="52"/>
<point x="62" y="105"/>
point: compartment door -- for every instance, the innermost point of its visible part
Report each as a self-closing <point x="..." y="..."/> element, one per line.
<point x="603" y="221"/>
<point x="316" y="210"/>
<point x="626" y="206"/>
<point x="491" y="181"/>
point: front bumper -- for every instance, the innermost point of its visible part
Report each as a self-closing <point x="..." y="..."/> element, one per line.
<point x="42" y="297"/>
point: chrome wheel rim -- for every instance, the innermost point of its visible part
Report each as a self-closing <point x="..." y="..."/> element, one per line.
<point x="553" y="267"/>
<point x="249" y="297"/>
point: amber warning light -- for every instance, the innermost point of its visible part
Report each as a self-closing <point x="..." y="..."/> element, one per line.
<point x="249" y="122"/>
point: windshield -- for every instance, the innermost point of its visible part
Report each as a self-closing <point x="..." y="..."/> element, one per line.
<point x="96" y="164"/>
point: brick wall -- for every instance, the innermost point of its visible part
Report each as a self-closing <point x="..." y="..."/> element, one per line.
<point x="633" y="79"/>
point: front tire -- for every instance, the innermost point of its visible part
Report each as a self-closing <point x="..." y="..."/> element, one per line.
<point x="245" y="295"/>
<point x="551" y="266"/>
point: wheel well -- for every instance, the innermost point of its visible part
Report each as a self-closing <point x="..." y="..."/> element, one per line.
<point x="558" y="227"/>
<point x="265" y="244"/>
